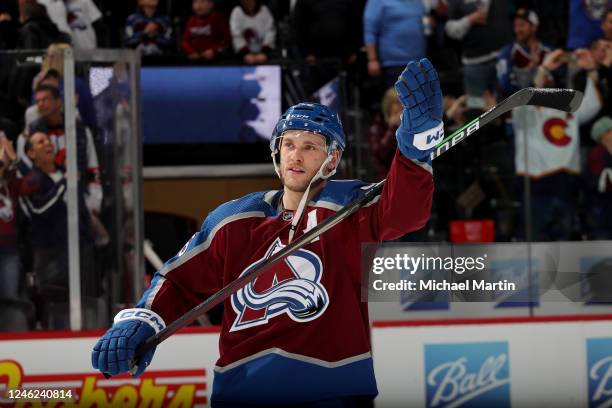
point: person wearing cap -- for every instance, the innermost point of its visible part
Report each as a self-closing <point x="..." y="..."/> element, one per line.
<point x="599" y="181"/>
<point x="518" y="62"/>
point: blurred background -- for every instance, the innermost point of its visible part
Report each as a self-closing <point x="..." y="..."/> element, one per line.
<point x="124" y="123"/>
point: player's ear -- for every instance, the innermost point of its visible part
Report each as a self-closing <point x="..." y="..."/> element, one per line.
<point x="334" y="161"/>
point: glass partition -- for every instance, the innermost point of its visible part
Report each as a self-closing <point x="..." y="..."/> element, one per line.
<point x="72" y="253"/>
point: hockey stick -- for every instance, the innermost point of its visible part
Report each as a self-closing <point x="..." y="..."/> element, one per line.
<point x="566" y="100"/>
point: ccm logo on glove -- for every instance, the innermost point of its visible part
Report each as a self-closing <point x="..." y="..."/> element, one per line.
<point x="145" y="315"/>
<point x="429" y="138"/>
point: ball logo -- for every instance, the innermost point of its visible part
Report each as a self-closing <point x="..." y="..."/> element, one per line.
<point x="466" y="375"/>
<point x="292" y="287"/>
<point x="554" y="132"/>
<point x="599" y="371"/>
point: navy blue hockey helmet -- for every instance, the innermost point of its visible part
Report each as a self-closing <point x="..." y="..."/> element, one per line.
<point x="312" y="117"/>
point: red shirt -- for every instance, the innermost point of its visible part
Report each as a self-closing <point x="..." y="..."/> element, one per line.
<point x="206" y="32"/>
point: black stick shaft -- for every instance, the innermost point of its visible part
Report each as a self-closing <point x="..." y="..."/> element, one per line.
<point x="563" y="99"/>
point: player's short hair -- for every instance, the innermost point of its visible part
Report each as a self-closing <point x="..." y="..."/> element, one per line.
<point x="54" y="91"/>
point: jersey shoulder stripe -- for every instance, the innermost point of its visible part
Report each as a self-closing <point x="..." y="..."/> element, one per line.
<point x="254" y="205"/>
<point x="338" y="193"/>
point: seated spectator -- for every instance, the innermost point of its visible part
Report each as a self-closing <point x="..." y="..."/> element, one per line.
<point x="393" y="35"/>
<point x="148" y="31"/>
<point x="599" y="181"/>
<point x="45" y="206"/>
<point x="37" y="31"/>
<point x="253" y="31"/>
<point x="51" y="122"/>
<point x="83" y="17"/>
<point x="206" y="34"/>
<point x="381" y="133"/>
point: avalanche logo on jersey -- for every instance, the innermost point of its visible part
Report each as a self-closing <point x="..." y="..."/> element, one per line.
<point x="292" y="287"/>
<point x="554" y="131"/>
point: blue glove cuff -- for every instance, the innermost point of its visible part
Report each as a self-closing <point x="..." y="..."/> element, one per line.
<point x="429" y="138"/>
<point x="144" y="315"/>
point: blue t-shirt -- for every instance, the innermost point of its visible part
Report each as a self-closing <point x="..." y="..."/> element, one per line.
<point x="585" y="22"/>
<point x="396" y="28"/>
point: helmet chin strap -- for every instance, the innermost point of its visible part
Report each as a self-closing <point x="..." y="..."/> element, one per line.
<point x="319" y="176"/>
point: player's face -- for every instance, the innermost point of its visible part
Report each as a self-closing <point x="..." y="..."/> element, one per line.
<point x="301" y="156"/>
<point x="523" y="30"/>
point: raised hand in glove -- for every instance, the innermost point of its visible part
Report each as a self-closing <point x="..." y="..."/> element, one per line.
<point x="421" y="127"/>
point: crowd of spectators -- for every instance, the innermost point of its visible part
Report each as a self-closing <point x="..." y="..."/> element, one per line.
<point x="483" y="49"/>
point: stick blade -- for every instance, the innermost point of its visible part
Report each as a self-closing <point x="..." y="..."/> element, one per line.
<point x="566" y="100"/>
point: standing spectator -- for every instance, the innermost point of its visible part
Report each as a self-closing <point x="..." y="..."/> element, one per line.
<point x="56" y="10"/>
<point x="52" y="70"/>
<point x="381" y="133"/>
<point x="37" y="31"/>
<point x="586" y="19"/>
<point x="9" y="257"/>
<point x="554" y="18"/>
<point x="83" y="18"/>
<point x="253" y="31"/>
<point x="328" y="29"/>
<point x="519" y="61"/>
<point x="45" y="206"/>
<point x="206" y="34"/>
<point x="393" y="35"/>
<point x="596" y="63"/>
<point x="548" y="152"/>
<point x="599" y="181"/>
<point x="51" y="123"/>
<point x="484" y="27"/>
<point x="147" y="30"/>
<point x="606" y="24"/>
<point x="9" y="24"/>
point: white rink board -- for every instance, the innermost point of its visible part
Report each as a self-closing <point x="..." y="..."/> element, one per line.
<point x="547" y="361"/>
<point x="547" y="364"/>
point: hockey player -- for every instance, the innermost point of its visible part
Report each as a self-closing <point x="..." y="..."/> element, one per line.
<point x="299" y="334"/>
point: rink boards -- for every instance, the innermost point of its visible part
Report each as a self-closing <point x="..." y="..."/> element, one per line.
<point x="562" y="361"/>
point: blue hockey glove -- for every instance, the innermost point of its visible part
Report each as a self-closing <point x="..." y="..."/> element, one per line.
<point x="421" y="127"/>
<point x="114" y="352"/>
